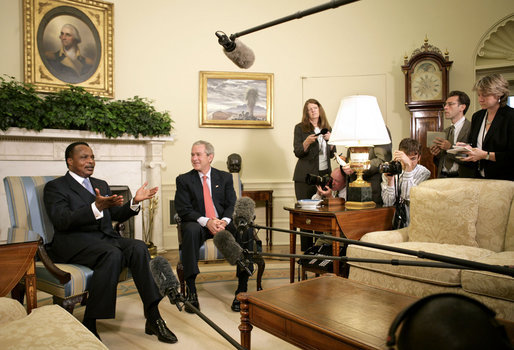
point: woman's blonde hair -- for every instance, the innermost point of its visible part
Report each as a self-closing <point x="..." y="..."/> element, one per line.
<point x="494" y="84"/>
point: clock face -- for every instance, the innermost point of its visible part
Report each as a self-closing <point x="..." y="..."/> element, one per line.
<point x="426" y="83"/>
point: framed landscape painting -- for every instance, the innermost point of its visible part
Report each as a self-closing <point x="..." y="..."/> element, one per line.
<point x="69" y="42"/>
<point x="236" y="100"/>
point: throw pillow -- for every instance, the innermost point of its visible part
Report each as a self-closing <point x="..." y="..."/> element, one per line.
<point x="444" y="216"/>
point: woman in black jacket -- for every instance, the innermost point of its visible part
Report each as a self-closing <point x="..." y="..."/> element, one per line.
<point x="492" y="130"/>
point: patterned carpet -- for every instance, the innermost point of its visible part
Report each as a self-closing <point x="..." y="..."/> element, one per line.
<point x="216" y="284"/>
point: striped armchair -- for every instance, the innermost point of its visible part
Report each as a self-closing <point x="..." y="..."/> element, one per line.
<point x="67" y="283"/>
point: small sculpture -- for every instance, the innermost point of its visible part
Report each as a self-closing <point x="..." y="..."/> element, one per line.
<point x="234" y="163"/>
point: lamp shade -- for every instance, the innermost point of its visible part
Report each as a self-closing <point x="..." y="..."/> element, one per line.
<point x="359" y="123"/>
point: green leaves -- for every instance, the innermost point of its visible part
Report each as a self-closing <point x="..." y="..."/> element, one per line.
<point x="77" y="109"/>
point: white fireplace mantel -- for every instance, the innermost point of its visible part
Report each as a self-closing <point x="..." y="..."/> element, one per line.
<point x="125" y="160"/>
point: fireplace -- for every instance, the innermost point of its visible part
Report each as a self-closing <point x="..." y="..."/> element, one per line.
<point x="124" y="160"/>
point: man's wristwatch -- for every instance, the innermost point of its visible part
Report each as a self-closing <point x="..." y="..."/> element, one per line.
<point x="487" y="156"/>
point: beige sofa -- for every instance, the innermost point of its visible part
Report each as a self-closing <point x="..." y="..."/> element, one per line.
<point x="46" y="327"/>
<point x="465" y="218"/>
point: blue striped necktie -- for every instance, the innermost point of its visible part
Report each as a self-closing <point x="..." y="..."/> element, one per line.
<point x="87" y="185"/>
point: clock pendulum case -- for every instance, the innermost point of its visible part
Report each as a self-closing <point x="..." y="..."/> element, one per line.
<point x="426" y="89"/>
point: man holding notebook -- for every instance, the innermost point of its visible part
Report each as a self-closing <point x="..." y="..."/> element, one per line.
<point x="448" y="164"/>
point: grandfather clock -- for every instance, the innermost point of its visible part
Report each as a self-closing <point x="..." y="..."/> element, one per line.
<point x="426" y="89"/>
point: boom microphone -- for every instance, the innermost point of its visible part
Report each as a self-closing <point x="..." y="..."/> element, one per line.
<point x="232" y="251"/>
<point x="166" y="280"/>
<point x="244" y="213"/>
<point x="236" y="51"/>
<point x="168" y="285"/>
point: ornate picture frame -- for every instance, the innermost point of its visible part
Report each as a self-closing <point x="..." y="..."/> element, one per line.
<point x="236" y="100"/>
<point x="69" y="42"/>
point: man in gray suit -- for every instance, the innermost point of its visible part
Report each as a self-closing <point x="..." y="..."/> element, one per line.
<point x="448" y="165"/>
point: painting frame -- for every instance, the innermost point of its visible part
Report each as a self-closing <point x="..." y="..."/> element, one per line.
<point x="235" y="100"/>
<point x="48" y="67"/>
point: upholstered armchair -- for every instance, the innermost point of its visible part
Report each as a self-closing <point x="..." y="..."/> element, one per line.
<point x="67" y="283"/>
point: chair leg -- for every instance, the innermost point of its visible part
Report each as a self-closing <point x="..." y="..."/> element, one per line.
<point x="69" y="303"/>
<point x="180" y="274"/>
<point x="261" y="265"/>
<point x="18" y="292"/>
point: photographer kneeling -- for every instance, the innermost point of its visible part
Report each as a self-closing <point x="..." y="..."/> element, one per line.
<point x="335" y="187"/>
<point x="397" y="181"/>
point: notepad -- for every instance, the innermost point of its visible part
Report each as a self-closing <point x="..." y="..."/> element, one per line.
<point x="431" y="135"/>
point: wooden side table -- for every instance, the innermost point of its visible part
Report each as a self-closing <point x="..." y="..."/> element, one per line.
<point x="352" y="224"/>
<point x="267" y="197"/>
<point x="16" y="261"/>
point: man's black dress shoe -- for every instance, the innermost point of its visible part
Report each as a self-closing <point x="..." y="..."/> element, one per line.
<point x="90" y="323"/>
<point x="193" y="299"/>
<point x="236" y="305"/>
<point x="158" y="327"/>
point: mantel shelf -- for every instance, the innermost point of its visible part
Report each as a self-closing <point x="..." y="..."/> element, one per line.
<point x="58" y="134"/>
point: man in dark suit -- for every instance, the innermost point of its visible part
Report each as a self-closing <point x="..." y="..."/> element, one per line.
<point x="81" y="209"/>
<point x="205" y="200"/>
<point x="448" y="165"/>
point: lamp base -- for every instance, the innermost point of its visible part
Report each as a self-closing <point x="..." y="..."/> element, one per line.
<point x="360" y="205"/>
<point x="359" y="198"/>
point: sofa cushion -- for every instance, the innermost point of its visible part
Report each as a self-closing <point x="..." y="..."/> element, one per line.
<point x="11" y="310"/>
<point x="495" y="231"/>
<point x="489" y="283"/>
<point x="433" y="275"/>
<point x="48" y="327"/>
<point x="444" y="216"/>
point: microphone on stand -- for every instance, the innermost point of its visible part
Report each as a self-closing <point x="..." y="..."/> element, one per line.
<point x="166" y="280"/>
<point x="236" y="51"/>
<point x="168" y="286"/>
<point x="244" y="213"/>
<point x="449" y="261"/>
<point x="231" y="251"/>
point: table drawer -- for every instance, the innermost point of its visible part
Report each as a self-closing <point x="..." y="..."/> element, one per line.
<point x="312" y="223"/>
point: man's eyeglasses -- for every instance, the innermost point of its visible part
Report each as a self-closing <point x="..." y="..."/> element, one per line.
<point x="449" y="104"/>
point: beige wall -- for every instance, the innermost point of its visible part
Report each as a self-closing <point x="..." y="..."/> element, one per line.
<point x="161" y="45"/>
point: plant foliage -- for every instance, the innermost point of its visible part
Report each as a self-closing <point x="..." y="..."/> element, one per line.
<point x="77" y="109"/>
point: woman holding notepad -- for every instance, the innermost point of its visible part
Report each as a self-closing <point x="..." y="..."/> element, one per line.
<point x="491" y="140"/>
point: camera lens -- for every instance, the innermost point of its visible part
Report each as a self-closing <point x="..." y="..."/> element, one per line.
<point x="391" y="168"/>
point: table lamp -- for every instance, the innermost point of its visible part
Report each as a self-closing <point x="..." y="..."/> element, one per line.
<point x="359" y="126"/>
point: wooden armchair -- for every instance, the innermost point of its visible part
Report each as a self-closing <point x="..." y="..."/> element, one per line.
<point x="67" y="283"/>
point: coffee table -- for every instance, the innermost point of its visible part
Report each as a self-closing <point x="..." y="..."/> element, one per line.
<point x="327" y="312"/>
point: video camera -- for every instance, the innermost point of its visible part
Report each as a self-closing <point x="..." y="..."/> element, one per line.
<point x="391" y="168"/>
<point x="321" y="181"/>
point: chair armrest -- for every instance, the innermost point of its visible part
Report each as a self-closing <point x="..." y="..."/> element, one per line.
<point x="387" y="237"/>
<point x="62" y="276"/>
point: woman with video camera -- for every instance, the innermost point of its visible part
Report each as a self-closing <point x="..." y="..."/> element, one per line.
<point x="313" y="152"/>
<point x="399" y="176"/>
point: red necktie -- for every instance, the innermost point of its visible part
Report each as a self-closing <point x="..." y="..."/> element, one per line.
<point x="209" y="205"/>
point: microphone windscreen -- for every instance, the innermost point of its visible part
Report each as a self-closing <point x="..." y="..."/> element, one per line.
<point x="244" y="211"/>
<point x="228" y="246"/>
<point x="163" y="275"/>
<point x="242" y="55"/>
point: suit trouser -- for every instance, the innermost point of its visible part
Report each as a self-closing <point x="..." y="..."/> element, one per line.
<point x="194" y="235"/>
<point x="107" y="257"/>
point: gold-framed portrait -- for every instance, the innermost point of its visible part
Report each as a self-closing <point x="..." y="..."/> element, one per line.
<point x="236" y="100"/>
<point x="69" y="42"/>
